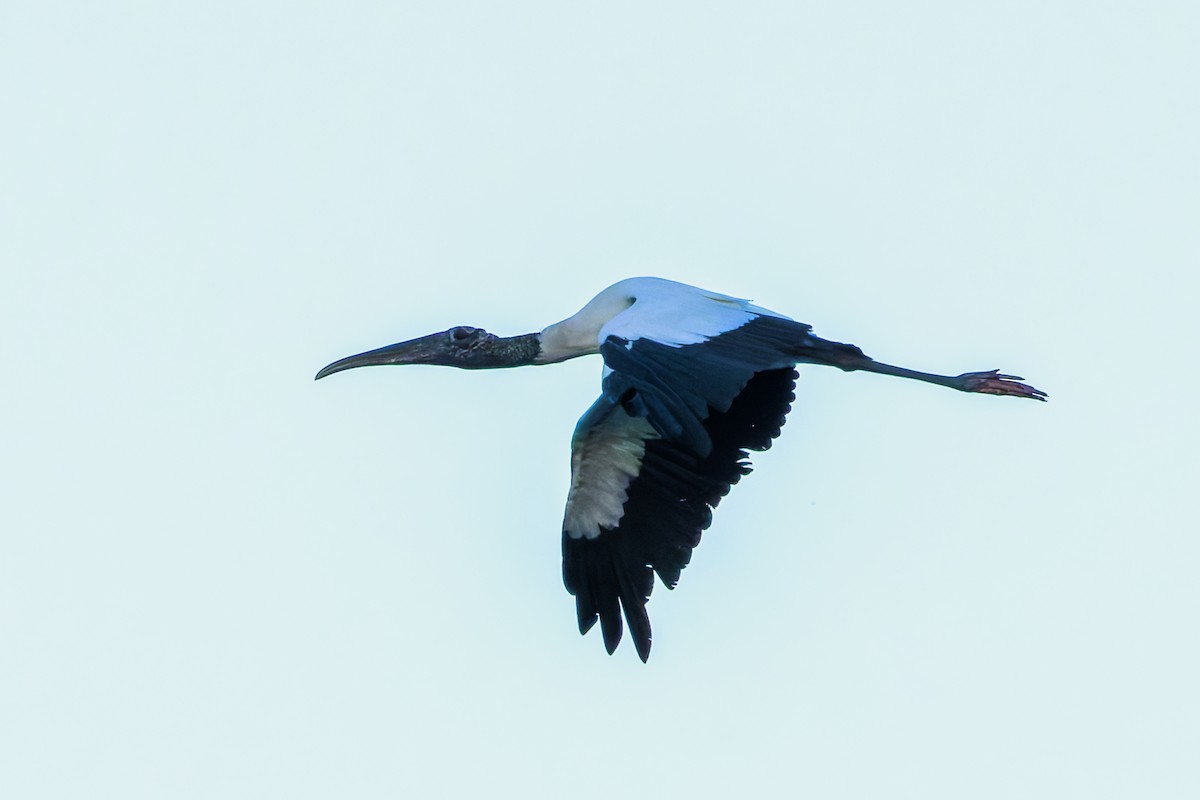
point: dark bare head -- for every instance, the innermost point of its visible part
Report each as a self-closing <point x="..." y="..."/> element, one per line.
<point x="462" y="346"/>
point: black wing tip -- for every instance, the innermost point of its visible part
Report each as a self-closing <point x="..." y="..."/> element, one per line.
<point x="612" y="626"/>
<point x="643" y="648"/>
<point x="641" y="644"/>
<point x="612" y="636"/>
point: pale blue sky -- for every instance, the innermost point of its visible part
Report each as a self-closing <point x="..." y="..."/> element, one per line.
<point x="221" y="580"/>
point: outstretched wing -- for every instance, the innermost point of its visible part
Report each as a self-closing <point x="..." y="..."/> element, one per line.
<point x="656" y="453"/>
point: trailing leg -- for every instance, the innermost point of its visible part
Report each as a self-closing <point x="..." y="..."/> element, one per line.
<point x="847" y="357"/>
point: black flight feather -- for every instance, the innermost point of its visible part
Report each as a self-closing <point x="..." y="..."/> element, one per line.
<point x="682" y="478"/>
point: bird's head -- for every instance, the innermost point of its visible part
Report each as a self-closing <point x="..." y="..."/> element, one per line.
<point x="461" y="346"/>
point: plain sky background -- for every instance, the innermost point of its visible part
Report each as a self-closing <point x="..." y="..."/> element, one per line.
<point x="219" y="579"/>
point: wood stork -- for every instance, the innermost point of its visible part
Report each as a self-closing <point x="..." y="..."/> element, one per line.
<point x="692" y="380"/>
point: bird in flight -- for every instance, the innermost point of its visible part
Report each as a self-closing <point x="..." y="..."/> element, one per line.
<point x="692" y="381"/>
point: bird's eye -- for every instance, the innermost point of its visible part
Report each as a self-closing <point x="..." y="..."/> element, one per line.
<point x="462" y="334"/>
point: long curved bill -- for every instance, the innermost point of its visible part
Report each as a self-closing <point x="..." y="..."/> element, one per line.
<point x="425" y="350"/>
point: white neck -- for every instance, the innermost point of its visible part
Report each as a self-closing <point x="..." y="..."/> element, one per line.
<point x="579" y="335"/>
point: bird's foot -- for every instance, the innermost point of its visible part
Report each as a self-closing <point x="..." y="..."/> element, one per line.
<point x="992" y="382"/>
